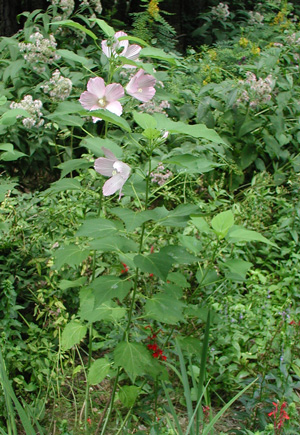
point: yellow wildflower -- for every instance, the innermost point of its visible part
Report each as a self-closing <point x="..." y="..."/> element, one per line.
<point x="255" y="50"/>
<point x="153" y="8"/>
<point x="212" y="54"/>
<point x="244" y="42"/>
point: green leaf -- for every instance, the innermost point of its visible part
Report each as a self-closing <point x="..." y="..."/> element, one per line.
<point x="134" y="358"/>
<point x="73" y="333"/>
<point x="157" y="53"/>
<point x="3" y="100"/>
<point x="95" y="145"/>
<point x="191" y="243"/>
<point x="179" y="216"/>
<point x="108" y="287"/>
<point x="144" y="120"/>
<point x="134" y="39"/>
<point x="131" y="219"/>
<point x="98" y="371"/>
<point x="73" y="165"/>
<point x="201" y="224"/>
<point x="108" y="30"/>
<point x="239" y="234"/>
<point x="108" y="116"/>
<point x="128" y="395"/>
<point x="178" y="254"/>
<point x="192" y="164"/>
<point x="4" y="188"/>
<point x="70" y="55"/>
<point x="64" y="184"/>
<point x="164" y="308"/>
<point x="71" y="255"/>
<point x="93" y="311"/>
<point x="114" y="243"/>
<point x="9" y="154"/>
<point x="158" y="264"/>
<point x="196" y="130"/>
<point x="10" y="117"/>
<point x="65" y="283"/>
<point x="238" y="269"/>
<point x="222" y="223"/>
<point x="70" y="23"/>
<point x="97" y="227"/>
<point x="68" y="120"/>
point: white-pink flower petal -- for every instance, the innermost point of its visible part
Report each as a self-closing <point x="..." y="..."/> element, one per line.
<point x="114" y="92"/>
<point x="113" y="184"/>
<point x="104" y="166"/>
<point x="96" y="86"/>
<point x="141" y="86"/>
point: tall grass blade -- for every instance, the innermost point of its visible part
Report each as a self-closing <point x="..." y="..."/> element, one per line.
<point x="195" y="412"/>
<point x="29" y="430"/>
<point x="220" y="413"/>
<point x="172" y="410"/>
<point x="186" y="387"/>
<point x="203" y="368"/>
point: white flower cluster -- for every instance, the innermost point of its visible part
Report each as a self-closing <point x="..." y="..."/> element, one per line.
<point x="33" y="107"/>
<point x="293" y="40"/>
<point x="39" y="50"/>
<point x="58" y="87"/>
<point x="258" y="91"/>
<point x="220" y="12"/>
<point x="94" y="4"/>
<point x="255" y="18"/>
<point x="67" y="7"/>
<point x="152" y="107"/>
<point x="161" y="176"/>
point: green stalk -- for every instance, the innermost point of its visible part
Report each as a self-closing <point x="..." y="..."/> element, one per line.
<point x="87" y="388"/>
<point x="130" y="311"/>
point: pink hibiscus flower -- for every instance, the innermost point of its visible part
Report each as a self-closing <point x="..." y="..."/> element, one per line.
<point x="99" y="96"/>
<point x="114" y="168"/>
<point x="121" y="48"/>
<point x="141" y="86"/>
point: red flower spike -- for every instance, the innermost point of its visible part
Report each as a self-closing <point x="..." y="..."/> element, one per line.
<point x="155" y="355"/>
<point x="89" y="421"/>
<point x="164" y="358"/>
<point x="151" y="275"/>
<point x="152" y="249"/>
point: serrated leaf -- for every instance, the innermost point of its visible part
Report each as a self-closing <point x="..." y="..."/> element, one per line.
<point x="239" y="234"/>
<point x="157" y="263"/>
<point x="71" y="255"/>
<point x="222" y="223"/>
<point x="73" y="333"/>
<point x="4" y="188"/>
<point x="179" y="216"/>
<point x="64" y="184"/>
<point x="98" y="371"/>
<point x="9" y="154"/>
<point x="178" y="254"/>
<point x="134" y="358"/>
<point x="201" y="224"/>
<point x="131" y="219"/>
<point x="238" y="269"/>
<point x="108" y="287"/>
<point x="65" y="283"/>
<point x="70" y="23"/>
<point x="108" y="116"/>
<point x="92" y="311"/>
<point x="191" y="243"/>
<point x="97" y="227"/>
<point x="73" y="165"/>
<point x="128" y="395"/>
<point x="165" y="308"/>
<point x="114" y="243"/>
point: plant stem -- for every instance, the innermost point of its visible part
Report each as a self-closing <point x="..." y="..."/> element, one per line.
<point x="87" y="389"/>
<point x="130" y="311"/>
